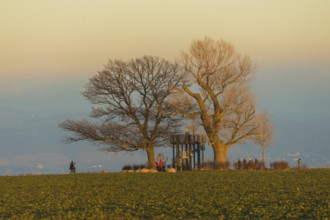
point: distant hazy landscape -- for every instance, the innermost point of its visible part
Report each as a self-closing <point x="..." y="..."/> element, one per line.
<point x="31" y="139"/>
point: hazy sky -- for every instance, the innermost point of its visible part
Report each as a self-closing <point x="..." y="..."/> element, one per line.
<point x="70" y="40"/>
<point x="49" y="49"/>
<point x="77" y="37"/>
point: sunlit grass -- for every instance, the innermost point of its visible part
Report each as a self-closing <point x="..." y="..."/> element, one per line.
<point x="196" y="194"/>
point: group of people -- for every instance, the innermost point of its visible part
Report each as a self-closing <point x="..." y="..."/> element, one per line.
<point x="160" y="166"/>
<point x="249" y="164"/>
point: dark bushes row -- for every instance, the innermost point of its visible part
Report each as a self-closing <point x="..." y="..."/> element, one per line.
<point x="250" y="165"/>
<point x="133" y="167"/>
<point x="210" y="165"/>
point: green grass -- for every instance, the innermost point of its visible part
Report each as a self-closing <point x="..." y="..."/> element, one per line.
<point x="188" y="195"/>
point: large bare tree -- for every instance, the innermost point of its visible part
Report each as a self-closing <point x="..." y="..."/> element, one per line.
<point x="217" y="84"/>
<point x="264" y="135"/>
<point x="131" y="110"/>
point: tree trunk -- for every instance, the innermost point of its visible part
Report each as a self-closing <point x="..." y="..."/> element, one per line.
<point x="220" y="156"/>
<point x="263" y="156"/>
<point x="151" y="157"/>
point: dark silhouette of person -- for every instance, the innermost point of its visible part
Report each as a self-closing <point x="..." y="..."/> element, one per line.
<point x="239" y="164"/>
<point x="256" y="164"/>
<point x="244" y="164"/>
<point x="249" y="164"/>
<point x="72" y="167"/>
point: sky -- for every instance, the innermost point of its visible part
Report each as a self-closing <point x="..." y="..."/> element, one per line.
<point x="49" y="49"/>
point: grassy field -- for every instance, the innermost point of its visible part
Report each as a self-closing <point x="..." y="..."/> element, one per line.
<point x="188" y="195"/>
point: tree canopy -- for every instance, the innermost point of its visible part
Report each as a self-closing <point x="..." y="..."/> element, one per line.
<point x="131" y="110"/>
<point x="134" y="102"/>
<point x="217" y="85"/>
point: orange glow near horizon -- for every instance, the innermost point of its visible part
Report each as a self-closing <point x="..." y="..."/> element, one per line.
<point x="78" y="37"/>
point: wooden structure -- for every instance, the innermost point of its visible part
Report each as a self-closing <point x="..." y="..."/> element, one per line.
<point x="188" y="151"/>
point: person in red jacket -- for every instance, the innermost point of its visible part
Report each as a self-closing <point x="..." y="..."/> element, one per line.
<point x="161" y="164"/>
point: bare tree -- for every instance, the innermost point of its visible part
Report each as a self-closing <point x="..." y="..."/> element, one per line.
<point x="264" y="135"/>
<point x="217" y="84"/>
<point x="132" y="111"/>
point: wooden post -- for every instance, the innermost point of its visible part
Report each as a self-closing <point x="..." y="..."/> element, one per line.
<point x="198" y="156"/>
<point x="173" y="158"/>
<point x="203" y="148"/>
<point x="193" y="143"/>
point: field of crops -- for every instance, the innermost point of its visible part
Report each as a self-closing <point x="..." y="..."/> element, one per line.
<point x="189" y="195"/>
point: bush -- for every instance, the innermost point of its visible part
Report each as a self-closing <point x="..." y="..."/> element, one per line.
<point x="280" y="165"/>
<point x="250" y="165"/>
<point x="210" y="165"/>
<point x="138" y="167"/>
<point x="127" y="167"/>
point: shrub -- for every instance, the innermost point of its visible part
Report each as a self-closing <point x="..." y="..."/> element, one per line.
<point x="251" y="165"/>
<point x="138" y="167"/>
<point x="127" y="167"/>
<point x="209" y="165"/>
<point x="280" y="165"/>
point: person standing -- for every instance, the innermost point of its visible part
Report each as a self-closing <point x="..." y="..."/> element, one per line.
<point x="161" y="165"/>
<point x="239" y="164"/>
<point x="72" y="167"/>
